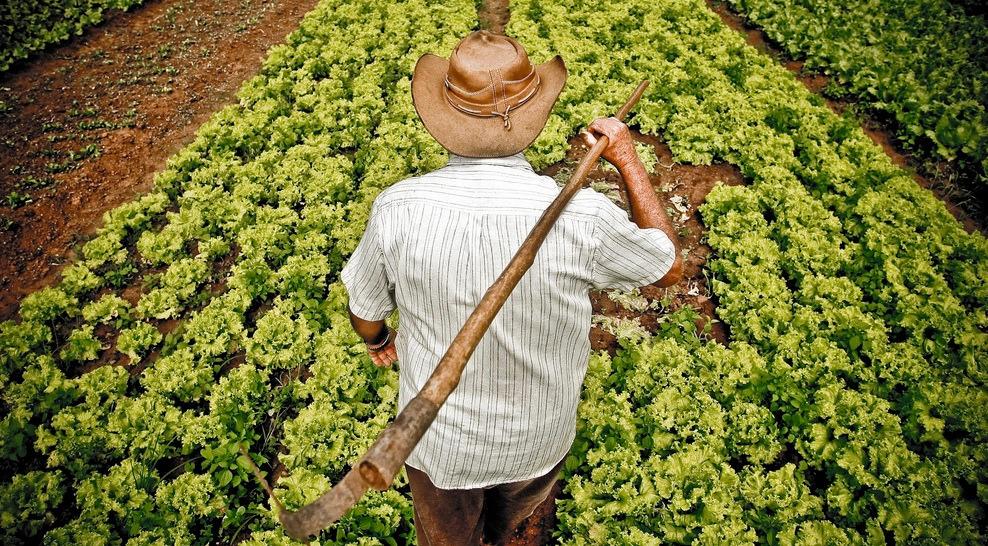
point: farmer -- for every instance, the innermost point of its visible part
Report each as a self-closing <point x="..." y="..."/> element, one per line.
<point x="435" y="243"/>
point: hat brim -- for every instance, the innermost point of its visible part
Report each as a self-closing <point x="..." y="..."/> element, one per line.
<point x="473" y="136"/>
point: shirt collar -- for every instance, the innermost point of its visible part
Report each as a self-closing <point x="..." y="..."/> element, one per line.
<point x="514" y="160"/>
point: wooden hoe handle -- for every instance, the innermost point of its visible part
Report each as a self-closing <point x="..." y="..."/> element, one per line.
<point x="382" y="461"/>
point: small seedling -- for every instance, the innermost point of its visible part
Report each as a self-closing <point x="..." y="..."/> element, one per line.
<point x="16" y="199"/>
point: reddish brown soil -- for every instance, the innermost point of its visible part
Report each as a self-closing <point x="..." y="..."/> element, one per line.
<point x="133" y="90"/>
<point x="537" y="529"/>
<point x="937" y="176"/>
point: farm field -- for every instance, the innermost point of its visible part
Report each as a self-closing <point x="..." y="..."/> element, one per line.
<point x="922" y="65"/>
<point x="818" y="379"/>
<point x="29" y="28"/>
<point x="86" y="124"/>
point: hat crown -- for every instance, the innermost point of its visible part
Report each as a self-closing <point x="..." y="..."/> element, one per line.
<point x="489" y="75"/>
<point x="481" y="52"/>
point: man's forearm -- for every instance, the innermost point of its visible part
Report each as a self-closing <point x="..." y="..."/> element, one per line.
<point x="647" y="212"/>
<point x="646" y="209"/>
<point x="371" y="331"/>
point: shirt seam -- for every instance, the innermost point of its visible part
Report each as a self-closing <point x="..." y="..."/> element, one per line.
<point x="571" y="215"/>
<point x="596" y="243"/>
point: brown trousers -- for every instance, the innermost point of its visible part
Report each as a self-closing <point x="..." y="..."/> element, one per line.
<point x="463" y="517"/>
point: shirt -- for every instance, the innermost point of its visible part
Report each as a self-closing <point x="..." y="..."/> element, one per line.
<point x="433" y="245"/>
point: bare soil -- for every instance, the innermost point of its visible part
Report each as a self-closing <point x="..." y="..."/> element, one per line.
<point x="493" y="15"/>
<point x="84" y="126"/>
<point x="940" y="177"/>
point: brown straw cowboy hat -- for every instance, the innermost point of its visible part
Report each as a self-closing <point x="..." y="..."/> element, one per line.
<point x="487" y="100"/>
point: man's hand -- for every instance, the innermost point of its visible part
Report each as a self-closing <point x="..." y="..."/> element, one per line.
<point x="373" y="332"/>
<point x="386" y="355"/>
<point x="620" y="150"/>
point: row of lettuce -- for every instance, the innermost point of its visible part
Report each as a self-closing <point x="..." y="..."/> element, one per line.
<point x="235" y="332"/>
<point x="850" y="406"/>
<point x="29" y="26"/>
<point x="921" y="63"/>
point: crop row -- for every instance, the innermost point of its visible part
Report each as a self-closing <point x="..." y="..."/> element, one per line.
<point x="851" y="405"/>
<point x="921" y="63"/>
<point x="28" y="26"/>
<point x="239" y="243"/>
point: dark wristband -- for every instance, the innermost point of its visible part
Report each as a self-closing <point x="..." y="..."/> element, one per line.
<point x="381" y="342"/>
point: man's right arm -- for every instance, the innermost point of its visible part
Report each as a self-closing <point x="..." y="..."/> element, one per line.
<point x="646" y="209"/>
<point x="370" y="291"/>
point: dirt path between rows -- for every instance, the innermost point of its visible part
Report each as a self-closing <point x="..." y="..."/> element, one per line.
<point x="493" y="15"/>
<point x="938" y="177"/>
<point x="681" y="188"/>
<point x="85" y="126"/>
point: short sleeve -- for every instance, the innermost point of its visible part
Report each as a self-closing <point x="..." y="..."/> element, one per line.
<point x="626" y="255"/>
<point x="365" y="276"/>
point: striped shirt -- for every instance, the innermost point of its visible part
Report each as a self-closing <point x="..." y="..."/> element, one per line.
<point x="433" y="245"/>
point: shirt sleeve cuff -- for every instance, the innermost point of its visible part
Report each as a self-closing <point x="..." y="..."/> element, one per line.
<point x="365" y="310"/>
<point x="655" y="274"/>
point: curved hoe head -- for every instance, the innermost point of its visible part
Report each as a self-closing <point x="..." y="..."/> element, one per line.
<point x="307" y="521"/>
<point x="378" y="468"/>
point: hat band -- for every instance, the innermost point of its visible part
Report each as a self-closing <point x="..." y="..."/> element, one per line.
<point x="489" y="109"/>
